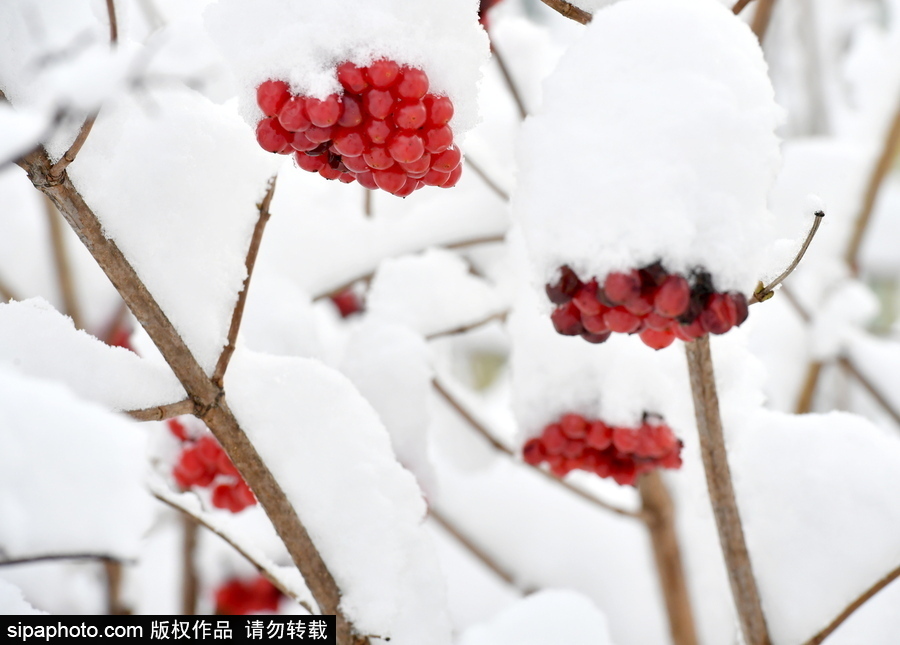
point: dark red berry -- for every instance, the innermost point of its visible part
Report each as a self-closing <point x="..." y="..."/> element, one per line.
<point x="719" y="315"/>
<point x="351" y="112"/>
<point x="565" y="288"/>
<point x="673" y="297"/>
<point x="622" y="287"/>
<point x="567" y="320"/>
<point x="621" y="321"/>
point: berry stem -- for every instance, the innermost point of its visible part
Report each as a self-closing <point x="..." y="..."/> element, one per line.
<point x="490" y="183"/>
<point x="765" y="292"/>
<point x="721" y="493"/>
<point x="660" y="520"/>
<point x="238" y="313"/>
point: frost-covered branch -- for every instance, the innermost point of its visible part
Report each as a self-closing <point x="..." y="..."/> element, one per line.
<point x="250" y="263"/>
<point x="879" y="172"/>
<point x="659" y="516"/>
<point x="500" y="447"/>
<point x="766" y="292"/>
<point x="852" y="607"/>
<point x="569" y="10"/>
<point x="63" y="265"/>
<point x="721" y="493"/>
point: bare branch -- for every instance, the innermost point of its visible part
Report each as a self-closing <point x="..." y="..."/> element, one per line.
<point x="367" y="202"/>
<point x="659" y="516"/>
<point x="510" y="83"/>
<point x="163" y="412"/>
<point x="479" y="553"/>
<point x="266" y="567"/>
<point x="882" y="400"/>
<point x="569" y="11"/>
<point x="852" y="607"/>
<point x="63" y="265"/>
<point x="190" y="582"/>
<point x="53" y="557"/>
<point x="766" y="292"/>
<point x="879" y="172"/>
<point x="250" y="263"/>
<point x="477" y="241"/>
<point x="721" y="493"/>
<point x="56" y="171"/>
<point x="739" y="6"/>
<point x="499" y="447"/>
<point x="762" y="18"/>
<point x="490" y="183"/>
<point x="113" y="24"/>
<point x="115" y="572"/>
<point x="810" y="385"/>
<point x="500" y="317"/>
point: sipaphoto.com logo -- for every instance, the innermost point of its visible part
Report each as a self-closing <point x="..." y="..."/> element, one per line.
<point x="83" y="630"/>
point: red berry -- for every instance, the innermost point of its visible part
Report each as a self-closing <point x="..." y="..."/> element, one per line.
<point x="392" y="179"/>
<point x="378" y="158"/>
<point x="413" y="83"/>
<point x="447" y="160"/>
<point x="325" y="112"/>
<point x="567" y="320"/>
<point x="378" y="103"/>
<point x="408" y="188"/>
<point x="243" y="496"/>
<point x="355" y="164"/>
<point x="657" y="339"/>
<point x="352" y="78"/>
<point x="225" y="467"/>
<point x="329" y="172"/>
<point x="406" y="148"/>
<point x="593" y="324"/>
<point x="319" y="135"/>
<point x="673" y="297"/>
<point x="440" y="109"/>
<point x="177" y="429"/>
<point x="596" y="339"/>
<point x="410" y="116"/>
<point x="383" y="73"/>
<point x="655" y="321"/>
<point x="574" y="426"/>
<point x="565" y="288"/>
<point x="302" y="143"/>
<point x="271" y="95"/>
<point x="347" y="178"/>
<point x="621" y="321"/>
<point x="599" y="435"/>
<point x="740" y="306"/>
<point x="435" y="178"/>
<point x="553" y="439"/>
<point x="208" y="450"/>
<point x="222" y="496"/>
<point x="622" y="287"/>
<point x="309" y="164"/>
<point x="533" y="452"/>
<point x="347" y="302"/>
<point x="690" y="332"/>
<point x="419" y="167"/>
<point x="366" y="180"/>
<point x="586" y="300"/>
<point x="640" y="306"/>
<point x="271" y="136"/>
<point x="719" y="315"/>
<point x="348" y="143"/>
<point x="293" y="116"/>
<point x="453" y="179"/>
<point x="438" y="138"/>
<point x="377" y="131"/>
<point x="351" y="112"/>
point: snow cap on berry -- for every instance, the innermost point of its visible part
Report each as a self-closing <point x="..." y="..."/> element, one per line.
<point x="655" y="143"/>
<point x="303" y="41"/>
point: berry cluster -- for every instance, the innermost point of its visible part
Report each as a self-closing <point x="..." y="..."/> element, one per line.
<point x="576" y="443"/>
<point x="658" y="305"/>
<point x="238" y="597"/>
<point x="385" y="131"/>
<point x="203" y="463"/>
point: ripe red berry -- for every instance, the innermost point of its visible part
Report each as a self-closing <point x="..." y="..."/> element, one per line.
<point x="410" y="116"/>
<point x="621" y="321"/>
<point x="319" y="135"/>
<point x="622" y="287"/>
<point x="567" y="320"/>
<point x="586" y="300"/>
<point x="595" y="339"/>
<point x="719" y="315"/>
<point x="356" y="165"/>
<point x="554" y="439"/>
<point x="292" y="115"/>
<point x="392" y="179"/>
<point x="447" y="160"/>
<point x="348" y="143"/>
<point x="533" y="452"/>
<point x="640" y="306"/>
<point x="378" y="103"/>
<point x="271" y="95"/>
<point x="351" y="112"/>
<point x="406" y="147"/>
<point x="599" y="435"/>
<point x="377" y="131"/>
<point x="325" y="112"/>
<point x="657" y="339"/>
<point x="378" y="158"/>
<point x="272" y="137"/>
<point x="413" y="83"/>
<point x="435" y="178"/>
<point x="301" y="142"/>
<point x="673" y="297"/>
<point x="440" y="109"/>
<point x="438" y="138"/>
<point x="177" y="429"/>
<point x="565" y="288"/>
<point x="347" y="303"/>
<point x="383" y="73"/>
<point x="573" y="426"/>
<point x="740" y="306"/>
<point x="366" y="180"/>
<point x="352" y="78"/>
<point x="418" y="168"/>
<point x="593" y="324"/>
<point x="309" y="164"/>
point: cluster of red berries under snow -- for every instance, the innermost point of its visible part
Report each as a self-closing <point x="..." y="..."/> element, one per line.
<point x="203" y="463"/>
<point x="658" y="305"/>
<point x="623" y="454"/>
<point x="385" y="131"/>
<point x="240" y="597"/>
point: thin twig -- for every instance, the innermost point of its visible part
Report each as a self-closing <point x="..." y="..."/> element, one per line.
<point x="500" y="317"/>
<point x="766" y="292"/>
<point x="879" y="172"/>
<point x="762" y="18"/>
<point x="721" y="493"/>
<point x="510" y="83"/>
<point x="808" y="390"/>
<point x="238" y="313"/>
<point x="113" y="25"/>
<point x="367" y="202"/>
<point x="190" y="581"/>
<point x="479" y="553"/>
<point x="477" y="241"/>
<point x="788" y="294"/>
<point x="266" y="568"/>
<point x="490" y="183"/>
<point x="60" y="166"/>
<point x="35" y="559"/>
<point x="852" y="607"/>
<point x="659" y="516"/>
<point x="739" y="6"/>
<point x="499" y="447"/>
<point x="64" y="276"/>
<point x="569" y="11"/>
<point x="882" y="400"/>
<point x="163" y="412"/>
<point x="115" y="572"/>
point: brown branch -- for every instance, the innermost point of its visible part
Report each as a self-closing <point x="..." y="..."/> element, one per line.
<point x="721" y="493"/>
<point x="63" y="265"/>
<point x="367" y="202"/>
<point x="766" y="292"/>
<point x="490" y="183"/>
<point x="163" y="412"/>
<point x="876" y="394"/>
<point x="510" y="83"/>
<point x="569" y="11"/>
<point x="6" y="293"/>
<point x="238" y="313"/>
<point x="739" y="6"/>
<point x="499" y="447"/>
<point x="56" y="171"/>
<point x="208" y="398"/>
<point x="762" y="18"/>
<point x="113" y="24"/>
<point x="501" y="317"/>
<point x="879" y="172"/>
<point x="264" y="568"/>
<point x="114" y="571"/>
<point x="808" y="390"/>
<point x="35" y="559"/>
<point x="479" y="553"/>
<point x="659" y="516"/>
<point x="852" y="607"/>
<point x="190" y="581"/>
<point x="477" y="241"/>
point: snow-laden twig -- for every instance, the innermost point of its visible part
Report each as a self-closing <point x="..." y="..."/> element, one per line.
<point x="569" y="10"/>
<point x="238" y="313"/>
<point x="63" y="265"/>
<point x="808" y="389"/>
<point x="764" y="293"/>
<point x="721" y="493"/>
<point x="659" y="516"/>
<point x="852" y="607"/>
<point x="113" y="23"/>
<point x="509" y="452"/>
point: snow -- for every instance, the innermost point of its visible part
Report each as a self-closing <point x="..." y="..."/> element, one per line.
<point x="626" y="162"/>
<point x="87" y="487"/>
<point x="548" y="617"/>
<point x="186" y="242"/>
<point x="41" y="342"/>
<point x="12" y="603"/>
<point x="303" y="42"/>
<point x="20" y="131"/>
<point x="328" y="450"/>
